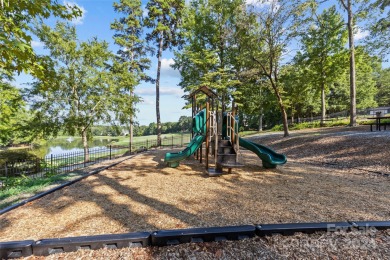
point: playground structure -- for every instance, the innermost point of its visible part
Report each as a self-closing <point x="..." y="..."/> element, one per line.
<point x="219" y="131"/>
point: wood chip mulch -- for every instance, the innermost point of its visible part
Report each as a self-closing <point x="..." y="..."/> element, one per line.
<point x="142" y="194"/>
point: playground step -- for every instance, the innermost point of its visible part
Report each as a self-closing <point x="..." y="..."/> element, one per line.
<point x="232" y="165"/>
<point x="226" y="150"/>
<point x="224" y="143"/>
<point x="226" y="158"/>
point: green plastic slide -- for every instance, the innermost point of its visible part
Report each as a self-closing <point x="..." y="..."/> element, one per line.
<point x="268" y="156"/>
<point x="199" y="128"/>
<point x="173" y="159"/>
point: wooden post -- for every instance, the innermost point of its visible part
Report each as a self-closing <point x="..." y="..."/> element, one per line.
<point x="232" y="123"/>
<point x="207" y="132"/>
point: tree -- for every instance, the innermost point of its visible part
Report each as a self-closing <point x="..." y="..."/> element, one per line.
<point x="131" y="59"/>
<point x="164" y="20"/>
<point x="366" y="90"/>
<point x="301" y="96"/>
<point x="16" y="52"/>
<point x="323" y="52"/>
<point x="184" y="124"/>
<point x="209" y="56"/>
<point x="347" y="6"/>
<point x="11" y="104"/>
<point x="78" y="93"/>
<point x="378" y="40"/>
<point x="277" y="26"/>
<point x="383" y="85"/>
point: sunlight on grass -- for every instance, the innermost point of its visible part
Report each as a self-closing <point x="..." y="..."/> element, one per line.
<point x="30" y="186"/>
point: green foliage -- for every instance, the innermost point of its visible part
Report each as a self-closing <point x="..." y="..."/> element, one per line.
<point x="164" y="21"/>
<point x="11" y="105"/>
<point x="378" y="40"/>
<point x="78" y="91"/>
<point x="16" y="52"/>
<point x="366" y="89"/>
<point x="131" y="61"/>
<point x="209" y="56"/>
<point x="277" y="128"/>
<point x="383" y="86"/>
<point x="26" y="185"/>
<point x="323" y="56"/>
<point x="16" y="155"/>
<point x="277" y="24"/>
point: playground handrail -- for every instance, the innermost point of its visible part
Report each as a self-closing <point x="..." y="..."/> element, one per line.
<point x="213" y="124"/>
<point x="230" y="128"/>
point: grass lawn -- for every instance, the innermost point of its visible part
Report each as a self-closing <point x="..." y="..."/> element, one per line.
<point x="124" y="140"/>
<point x="30" y="186"/>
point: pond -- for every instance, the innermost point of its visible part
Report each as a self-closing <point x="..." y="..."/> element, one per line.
<point x="63" y="145"/>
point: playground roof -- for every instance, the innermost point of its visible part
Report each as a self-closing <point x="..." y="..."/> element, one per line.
<point x="205" y="90"/>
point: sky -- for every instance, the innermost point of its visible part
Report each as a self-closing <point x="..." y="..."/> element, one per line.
<point x="95" y="22"/>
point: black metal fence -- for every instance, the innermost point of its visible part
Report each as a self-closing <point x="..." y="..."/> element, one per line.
<point x="361" y="113"/>
<point x="13" y="171"/>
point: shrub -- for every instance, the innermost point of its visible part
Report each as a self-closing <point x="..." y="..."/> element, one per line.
<point x="16" y="155"/>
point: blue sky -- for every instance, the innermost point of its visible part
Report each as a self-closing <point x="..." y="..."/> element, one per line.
<point x="96" y="20"/>
<point x="98" y="15"/>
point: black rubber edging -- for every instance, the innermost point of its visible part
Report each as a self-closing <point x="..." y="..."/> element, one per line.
<point x="40" y="195"/>
<point x="366" y="225"/>
<point x="308" y="228"/>
<point x="179" y="236"/>
<point x="16" y="249"/>
<point x="45" y="247"/>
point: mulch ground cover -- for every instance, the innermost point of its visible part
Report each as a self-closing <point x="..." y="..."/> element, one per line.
<point x="336" y="174"/>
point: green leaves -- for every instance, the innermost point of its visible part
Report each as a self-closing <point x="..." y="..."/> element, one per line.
<point x="78" y="92"/>
<point x="164" y="20"/>
<point x="131" y="61"/>
<point x="16" y="53"/>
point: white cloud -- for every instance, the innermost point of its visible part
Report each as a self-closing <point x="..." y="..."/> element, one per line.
<point x="37" y="44"/>
<point x="148" y="102"/>
<point x="167" y="70"/>
<point x="264" y="4"/>
<point x="164" y="91"/>
<point x="178" y="92"/>
<point x="361" y="34"/>
<point x="80" y="19"/>
<point x="144" y="11"/>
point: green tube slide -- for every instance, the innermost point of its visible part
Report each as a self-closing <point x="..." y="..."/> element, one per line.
<point x="268" y="156"/>
<point x="199" y="127"/>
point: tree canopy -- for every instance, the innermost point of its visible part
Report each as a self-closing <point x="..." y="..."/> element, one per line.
<point x="16" y="52"/>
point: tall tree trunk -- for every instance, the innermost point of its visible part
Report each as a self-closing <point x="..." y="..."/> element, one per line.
<point x="85" y="145"/>
<point x="323" y="108"/>
<point x="261" y="120"/>
<point x="131" y="134"/>
<point x="283" y="110"/>
<point x="352" y="78"/>
<point x="131" y="127"/>
<point x="160" y="50"/>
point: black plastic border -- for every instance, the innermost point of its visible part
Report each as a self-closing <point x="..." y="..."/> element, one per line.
<point x="308" y="228"/>
<point x="45" y="247"/>
<point x="16" y="249"/>
<point x="179" y="236"/>
<point x="365" y="225"/>
<point x="40" y="195"/>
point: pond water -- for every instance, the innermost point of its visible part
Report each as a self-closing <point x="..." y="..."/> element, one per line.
<point x="69" y="145"/>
